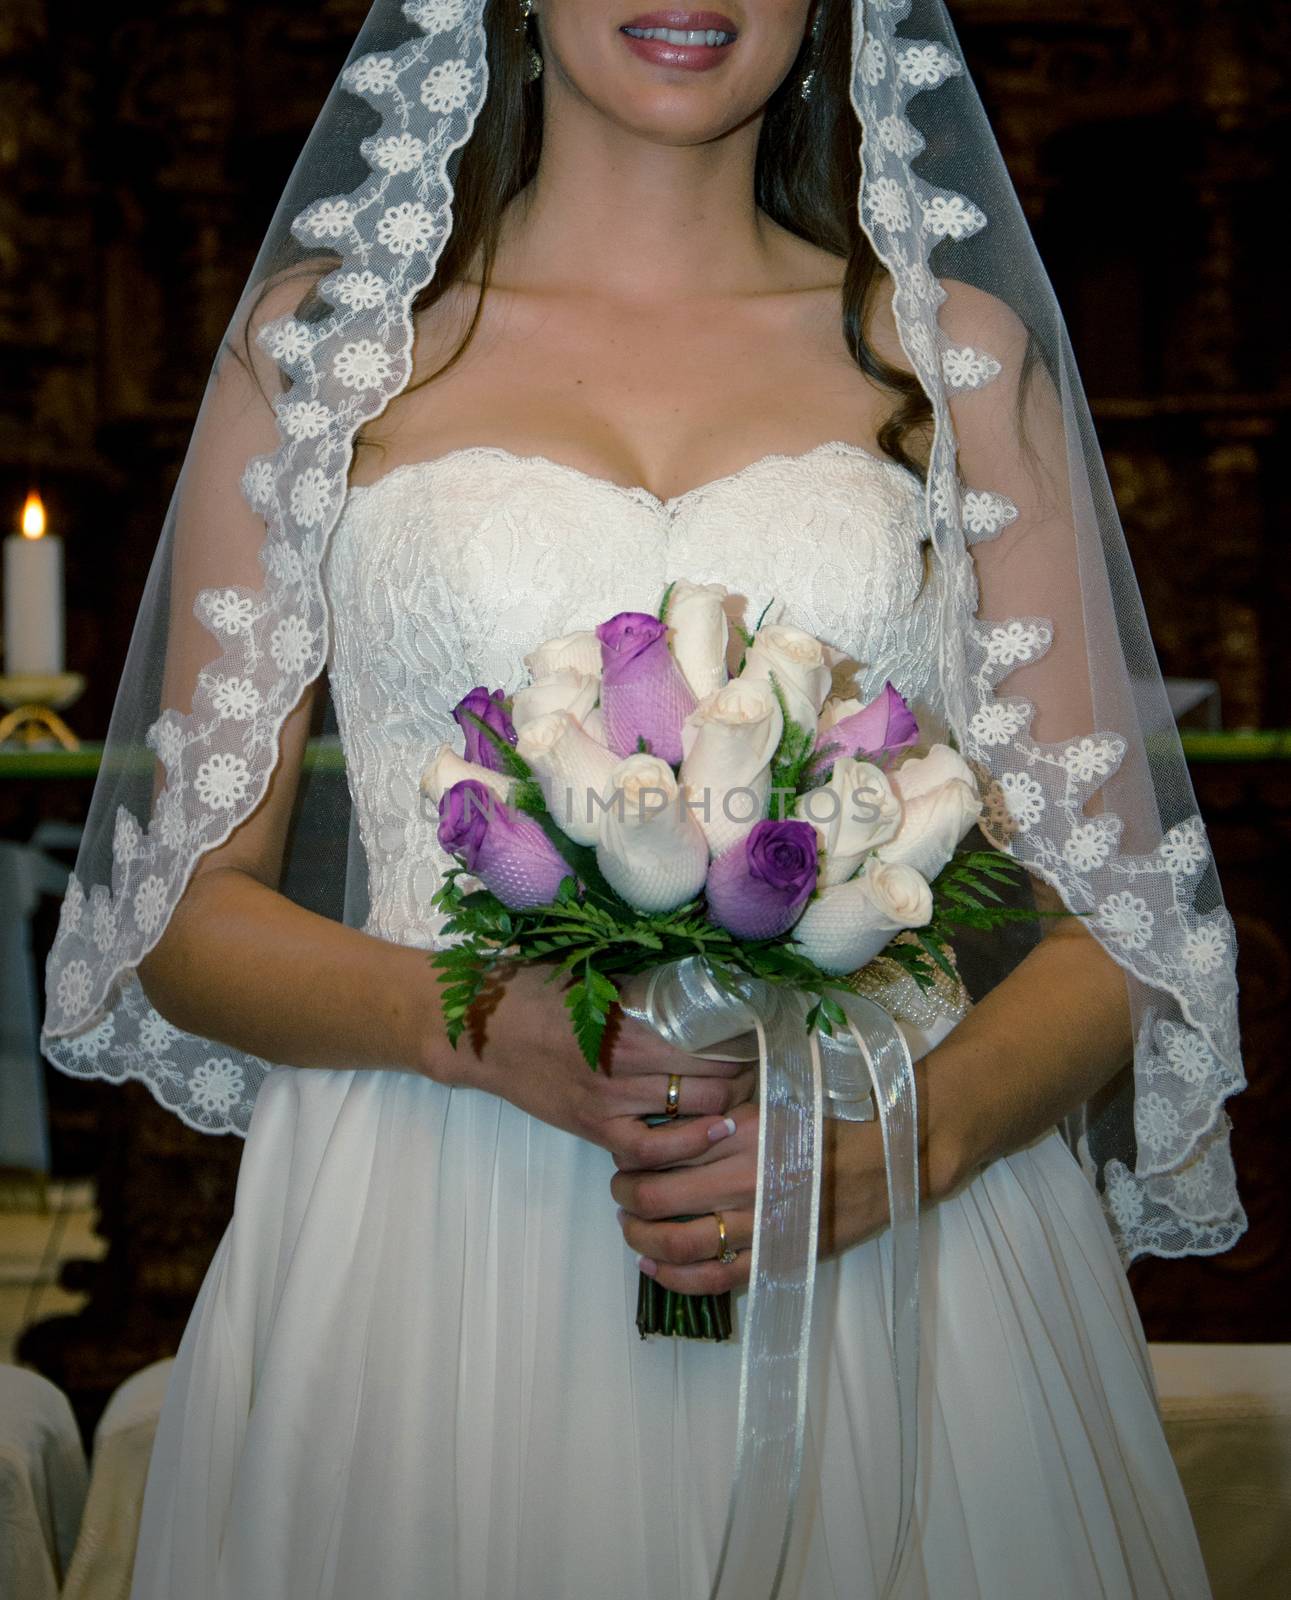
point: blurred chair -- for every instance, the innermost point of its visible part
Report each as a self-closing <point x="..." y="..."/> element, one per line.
<point x="1227" y="1415"/>
<point x="104" y="1557"/>
<point x="42" y="1485"/>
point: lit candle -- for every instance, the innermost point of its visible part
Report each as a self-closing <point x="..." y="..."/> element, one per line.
<point x="33" y="597"/>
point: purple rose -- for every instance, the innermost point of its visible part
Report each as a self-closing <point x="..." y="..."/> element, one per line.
<point x="507" y="851"/>
<point x="492" y="711"/>
<point x="882" y="728"/>
<point x="643" y="692"/>
<point x="757" y="888"/>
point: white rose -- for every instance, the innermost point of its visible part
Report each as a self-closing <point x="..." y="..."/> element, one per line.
<point x="446" y="767"/>
<point x="854" y="813"/>
<point x="900" y="893"/>
<point x="933" y="824"/>
<point x="697" y="634"/>
<point x="802" y="667"/>
<point x="594" y="726"/>
<point x="727" y="743"/>
<point x="563" y="690"/>
<point x="579" y="652"/>
<point x="921" y="774"/>
<point x="572" y="770"/>
<point x="849" y="924"/>
<point x="651" y="849"/>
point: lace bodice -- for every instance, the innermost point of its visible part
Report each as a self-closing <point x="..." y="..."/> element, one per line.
<point x="442" y="574"/>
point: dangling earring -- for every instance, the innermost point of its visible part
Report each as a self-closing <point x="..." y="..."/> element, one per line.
<point x="532" y="60"/>
<point x="808" y="80"/>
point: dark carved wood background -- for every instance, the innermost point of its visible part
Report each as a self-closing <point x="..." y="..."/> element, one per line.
<point x="142" y="149"/>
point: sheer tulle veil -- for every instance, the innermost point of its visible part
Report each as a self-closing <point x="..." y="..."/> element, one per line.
<point x="1047" y="676"/>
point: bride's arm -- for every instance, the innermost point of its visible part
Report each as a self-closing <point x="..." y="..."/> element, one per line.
<point x="242" y="963"/>
<point x="1033" y="1050"/>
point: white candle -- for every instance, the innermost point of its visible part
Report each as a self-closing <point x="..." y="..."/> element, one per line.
<point x="33" y="597"/>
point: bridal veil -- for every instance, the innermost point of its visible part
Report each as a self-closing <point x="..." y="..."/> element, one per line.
<point x="1048" y="678"/>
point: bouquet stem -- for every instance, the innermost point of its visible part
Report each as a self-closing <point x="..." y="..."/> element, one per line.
<point x="681" y="1316"/>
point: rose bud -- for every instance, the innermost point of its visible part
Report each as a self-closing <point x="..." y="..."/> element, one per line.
<point x="728" y="741"/>
<point x="643" y="692"/>
<point x="799" y="663"/>
<point x="932" y="825"/>
<point x="853" y="814"/>
<point x="920" y="774"/>
<point x="697" y="631"/>
<point x="507" y="851"/>
<point x="848" y="925"/>
<point x="562" y="690"/>
<point x="650" y="848"/>
<point x="883" y="727"/>
<point x="757" y="888"/>
<point x="577" y="652"/>
<point x="446" y="767"/>
<point x="491" y="710"/>
<point x="572" y="770"/>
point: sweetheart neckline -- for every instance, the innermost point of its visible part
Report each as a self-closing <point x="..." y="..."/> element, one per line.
<point x="637" y="492"/>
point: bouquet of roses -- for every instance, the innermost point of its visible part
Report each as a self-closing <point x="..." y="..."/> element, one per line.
<point x="638" y="803"/>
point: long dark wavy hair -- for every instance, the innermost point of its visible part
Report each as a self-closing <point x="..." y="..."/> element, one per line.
<point x="807" y="174"/>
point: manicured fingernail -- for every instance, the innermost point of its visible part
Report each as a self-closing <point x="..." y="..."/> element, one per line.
<point x="647" y="1266"/>
<point x="721" y="1130"/>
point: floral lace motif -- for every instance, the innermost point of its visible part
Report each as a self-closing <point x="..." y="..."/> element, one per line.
<point x="1182" y="1195"/>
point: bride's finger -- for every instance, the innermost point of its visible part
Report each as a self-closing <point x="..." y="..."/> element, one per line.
<point x="695" y="1096"/>
<point x="678" y="1242"/>
<point x="689" y="1191"/>
<point x="689" y="1141"/>
<point x="705" y="1277"/>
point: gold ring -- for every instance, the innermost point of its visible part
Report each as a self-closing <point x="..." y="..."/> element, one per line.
<point x="724" y="1253"/>
<point x="674" y="1095"/>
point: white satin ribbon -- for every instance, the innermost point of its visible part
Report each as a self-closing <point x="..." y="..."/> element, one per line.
<point x="803" y="1076"/>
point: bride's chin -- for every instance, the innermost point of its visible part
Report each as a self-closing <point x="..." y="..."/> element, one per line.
<point x="663" y="115"/>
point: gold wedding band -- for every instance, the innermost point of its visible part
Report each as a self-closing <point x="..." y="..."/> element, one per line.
<point x="724" y="1253"/>
<point x="674" y="1095"/>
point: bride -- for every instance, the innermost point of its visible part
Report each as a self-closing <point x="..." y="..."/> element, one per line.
<point x="597" y="309"/>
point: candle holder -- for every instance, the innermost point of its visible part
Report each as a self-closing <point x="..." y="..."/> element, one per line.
<point x="34" y="701"/>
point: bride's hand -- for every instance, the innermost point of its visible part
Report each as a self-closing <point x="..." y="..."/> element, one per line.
<point x="683" y="1255"/>
<point x="522" y="1048"/>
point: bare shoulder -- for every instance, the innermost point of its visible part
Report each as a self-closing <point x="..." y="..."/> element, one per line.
<point x="968" y="316"/>
<point x="972" y="316"/>
<point x="441" y="327"/>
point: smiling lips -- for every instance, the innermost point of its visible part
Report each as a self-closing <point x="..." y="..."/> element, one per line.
<point x="692" y="40"/>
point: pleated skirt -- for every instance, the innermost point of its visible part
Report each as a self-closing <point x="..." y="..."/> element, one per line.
<point x="413" y="1370"/>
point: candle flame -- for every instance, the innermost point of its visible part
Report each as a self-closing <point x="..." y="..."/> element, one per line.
<point x="33" y="517"/>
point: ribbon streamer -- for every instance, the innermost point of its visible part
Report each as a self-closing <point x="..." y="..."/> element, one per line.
<point x="802" y="1076"/>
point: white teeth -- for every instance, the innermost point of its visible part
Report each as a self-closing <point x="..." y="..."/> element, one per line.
<point x="686" y="36"/>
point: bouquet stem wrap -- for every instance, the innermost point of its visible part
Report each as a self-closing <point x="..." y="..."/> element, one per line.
<point x="800" y="1074"/>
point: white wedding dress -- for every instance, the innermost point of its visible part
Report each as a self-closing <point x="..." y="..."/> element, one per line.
<point x="413" y="1371"/>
